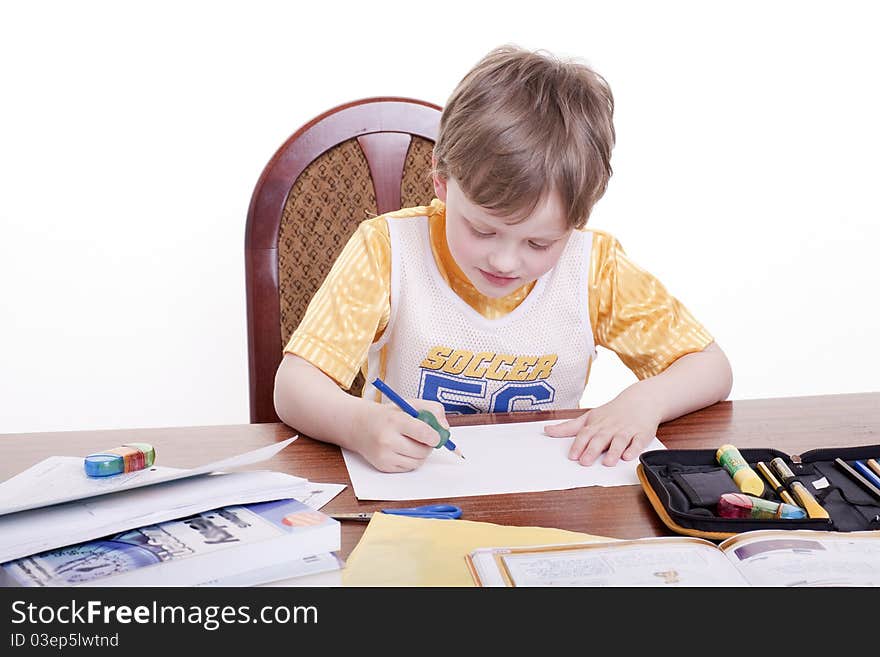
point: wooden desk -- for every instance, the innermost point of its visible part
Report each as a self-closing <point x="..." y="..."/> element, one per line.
<point x="793" y="425"/>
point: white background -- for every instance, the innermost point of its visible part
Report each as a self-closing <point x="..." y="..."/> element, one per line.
<point x="131" y="137"/>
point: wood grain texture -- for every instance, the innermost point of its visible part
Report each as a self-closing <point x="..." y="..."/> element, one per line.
<point x="793" y="425"/>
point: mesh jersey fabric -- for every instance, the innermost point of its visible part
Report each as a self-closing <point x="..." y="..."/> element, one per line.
<point x="437" y="347"/>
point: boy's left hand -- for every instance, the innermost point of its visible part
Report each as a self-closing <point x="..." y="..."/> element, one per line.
<point x="623" y="427"/>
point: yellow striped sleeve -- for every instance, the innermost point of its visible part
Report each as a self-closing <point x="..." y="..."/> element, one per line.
<point x="633" y="315"/>
<point x="351" y="308"/>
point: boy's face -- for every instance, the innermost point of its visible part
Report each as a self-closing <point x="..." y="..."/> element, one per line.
<point x="498" y="257"/>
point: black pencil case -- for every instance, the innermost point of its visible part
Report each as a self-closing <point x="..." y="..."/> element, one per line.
<point x="683" y="486"/>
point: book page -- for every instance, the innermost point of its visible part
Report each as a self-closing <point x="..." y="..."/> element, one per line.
<point x="806" y="558"/>
<point x="644" y="562"/>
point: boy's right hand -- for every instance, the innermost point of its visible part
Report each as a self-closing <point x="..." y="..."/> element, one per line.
<point x="393" y="441"/>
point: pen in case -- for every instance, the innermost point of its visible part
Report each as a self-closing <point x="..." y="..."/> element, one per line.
<point x="798" y="490"/>
<point x="857" y="477"/>
<point x="761" y="467"/>
<point x="866" y="472"/>
<point x="874" y="466"/>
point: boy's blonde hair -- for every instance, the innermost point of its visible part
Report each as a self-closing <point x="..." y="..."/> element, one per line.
<point x="521" y="124"/>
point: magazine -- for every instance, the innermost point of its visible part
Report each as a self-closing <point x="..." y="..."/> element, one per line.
<point x="234" y="545"/>
<point x="756" y="558"/>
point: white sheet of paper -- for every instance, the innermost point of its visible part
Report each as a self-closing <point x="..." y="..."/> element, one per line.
<point x="60" y="479"/>
<point x="500" y="458"/>
<point x="315" y="495"/>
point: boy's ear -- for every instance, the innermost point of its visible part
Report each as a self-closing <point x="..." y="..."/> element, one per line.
<point x="439" y="187"/>
<point x="439" y="181"/>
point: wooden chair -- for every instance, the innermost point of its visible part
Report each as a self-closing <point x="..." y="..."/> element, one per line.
<point x="355" y="161"/>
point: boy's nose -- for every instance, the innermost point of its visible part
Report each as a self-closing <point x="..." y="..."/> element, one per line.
<point x="502" y="261"/>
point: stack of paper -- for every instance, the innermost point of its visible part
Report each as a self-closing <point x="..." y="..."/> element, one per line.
<point x="36" y="530"/>
<point x="236" y="545"/>
<point x="53" y="504"/>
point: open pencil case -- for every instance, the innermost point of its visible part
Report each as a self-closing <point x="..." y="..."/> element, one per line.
<point x="684" y="486"/>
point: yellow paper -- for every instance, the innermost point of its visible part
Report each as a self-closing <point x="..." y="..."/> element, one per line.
<point x="401" y="551"/>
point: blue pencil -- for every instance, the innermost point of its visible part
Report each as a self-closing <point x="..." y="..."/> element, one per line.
<point x="866" y="472"/>
<point x="425" y="416"/>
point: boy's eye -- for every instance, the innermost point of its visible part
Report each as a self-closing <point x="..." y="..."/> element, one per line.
<point x="539" y="247"/>
<point x="479" y="233"/>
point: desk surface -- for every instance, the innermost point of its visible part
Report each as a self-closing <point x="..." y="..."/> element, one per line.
<point x="793" y="425"/>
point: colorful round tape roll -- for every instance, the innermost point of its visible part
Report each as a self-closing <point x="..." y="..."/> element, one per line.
<point x="125" y="458"/>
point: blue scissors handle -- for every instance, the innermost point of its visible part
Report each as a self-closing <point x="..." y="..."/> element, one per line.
<point x="439" y="511"/>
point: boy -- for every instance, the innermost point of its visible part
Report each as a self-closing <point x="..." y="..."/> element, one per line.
<point x="493" y="297"/>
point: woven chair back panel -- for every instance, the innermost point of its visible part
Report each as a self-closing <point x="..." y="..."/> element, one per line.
<point x="324" y="207"/>
<point x="416" y="187"/>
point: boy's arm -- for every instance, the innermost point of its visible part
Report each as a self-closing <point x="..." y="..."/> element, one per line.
<point x="692" y="382"/>
<point x="625" y="425"/>
<point x="312" y="402"/>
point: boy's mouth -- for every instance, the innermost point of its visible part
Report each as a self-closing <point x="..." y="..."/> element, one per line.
<point x="497" y="281"/>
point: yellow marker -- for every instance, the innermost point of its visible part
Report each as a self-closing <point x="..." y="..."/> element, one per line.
<point x="745" y="478"/>
<point x="800" y="492"/>
<point x="761" y="467"/>
<point x="874" y="466"/>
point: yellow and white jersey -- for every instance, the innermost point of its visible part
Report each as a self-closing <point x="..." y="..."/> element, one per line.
<point x="629" y="311"/>
<point x="436" y="347"/>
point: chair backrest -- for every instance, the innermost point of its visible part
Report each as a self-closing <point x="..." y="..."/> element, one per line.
<point x="355" y="161"/>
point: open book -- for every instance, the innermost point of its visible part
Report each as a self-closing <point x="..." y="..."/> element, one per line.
<point x="758" y="558"/>
<point x="239" y="545"/>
